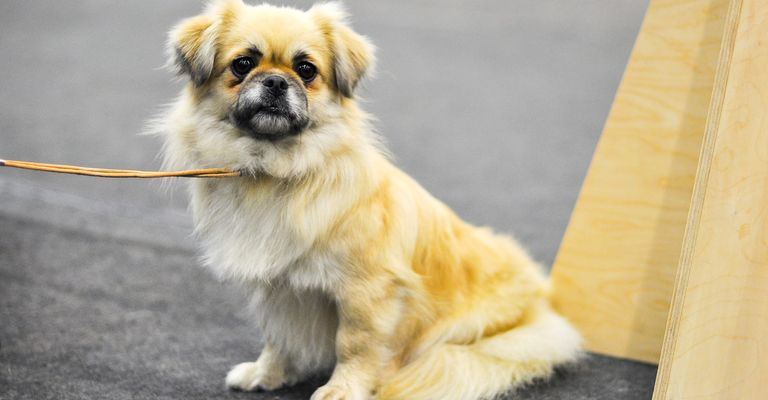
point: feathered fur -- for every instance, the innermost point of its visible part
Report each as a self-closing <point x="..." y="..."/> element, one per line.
<point x="353" y="267"/>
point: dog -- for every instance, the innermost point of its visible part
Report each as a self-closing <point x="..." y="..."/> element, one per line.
<point x="352" y="268"/>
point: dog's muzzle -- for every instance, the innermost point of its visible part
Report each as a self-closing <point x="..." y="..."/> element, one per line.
<point x="271" y="107"/>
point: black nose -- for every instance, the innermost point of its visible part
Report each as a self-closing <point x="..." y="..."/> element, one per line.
<point x="276" y="84"/>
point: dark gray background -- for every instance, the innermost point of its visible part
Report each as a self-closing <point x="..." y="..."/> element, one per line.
<point x="494" y="106"/>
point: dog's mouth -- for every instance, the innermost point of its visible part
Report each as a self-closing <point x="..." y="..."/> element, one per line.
<point x="269" y="121"/>
<point x="273" y="110"/>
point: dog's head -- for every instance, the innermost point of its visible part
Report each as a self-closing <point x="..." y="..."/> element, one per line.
<point x="272" y="74"/>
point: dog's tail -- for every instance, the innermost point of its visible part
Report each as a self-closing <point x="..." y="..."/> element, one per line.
<point x="490" y="366"/>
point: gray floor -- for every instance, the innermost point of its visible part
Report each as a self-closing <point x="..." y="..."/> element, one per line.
<point x="494" y="106"/>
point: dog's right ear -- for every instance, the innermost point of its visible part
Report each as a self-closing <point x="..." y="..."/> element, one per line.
<point x="192" y="43"/>
<point x="192" y="47"/>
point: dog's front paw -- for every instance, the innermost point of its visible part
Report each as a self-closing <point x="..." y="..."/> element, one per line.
<point x="336" y="392"/>
<point x="250" y="376"/>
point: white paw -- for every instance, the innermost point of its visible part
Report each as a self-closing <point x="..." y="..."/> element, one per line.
<point x="250" y="376"/>
<point x="334" y="392"/>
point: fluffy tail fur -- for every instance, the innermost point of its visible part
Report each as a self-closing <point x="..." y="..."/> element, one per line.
<point x="490" y="366"/>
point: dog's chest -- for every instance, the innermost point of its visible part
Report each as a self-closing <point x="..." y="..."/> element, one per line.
<point x="253" y="234"/>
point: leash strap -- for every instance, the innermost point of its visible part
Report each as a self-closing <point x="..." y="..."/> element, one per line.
<point x="119" y="173"/>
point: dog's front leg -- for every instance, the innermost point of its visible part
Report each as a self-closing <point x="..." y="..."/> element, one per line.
<point x="368" y="315"/>
<point x="269" y="372"/>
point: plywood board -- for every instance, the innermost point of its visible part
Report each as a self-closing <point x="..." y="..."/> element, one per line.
<point x="614" y="274"/>
<point x="717" y="341"/>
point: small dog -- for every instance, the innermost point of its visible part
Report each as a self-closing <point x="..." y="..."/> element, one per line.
<point x="352" y="266"/>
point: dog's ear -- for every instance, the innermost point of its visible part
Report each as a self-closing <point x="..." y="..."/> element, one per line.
<point x="192" y="43"/>
<point x="192" y="47"/>
<point x="353" y="55"/>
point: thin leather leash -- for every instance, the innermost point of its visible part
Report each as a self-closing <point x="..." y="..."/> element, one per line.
<point x="120" y="173"/>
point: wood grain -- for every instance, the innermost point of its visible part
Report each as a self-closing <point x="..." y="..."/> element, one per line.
<point x="717" y="341"/>
<point x="614" y="274"/>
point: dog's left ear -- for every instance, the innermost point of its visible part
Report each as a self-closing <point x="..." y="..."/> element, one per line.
<point x="353" y="55"/>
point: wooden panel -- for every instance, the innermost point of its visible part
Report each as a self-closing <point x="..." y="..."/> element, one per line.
<point x="717" y="341"/>
<point x="614" y="274"/>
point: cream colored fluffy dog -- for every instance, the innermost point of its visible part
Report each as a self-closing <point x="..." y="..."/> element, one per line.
<point x="353" y="267"/>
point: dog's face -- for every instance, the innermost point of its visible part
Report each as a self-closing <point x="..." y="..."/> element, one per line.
<point x="270" y="73"/>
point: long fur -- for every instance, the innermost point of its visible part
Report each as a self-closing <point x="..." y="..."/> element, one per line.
<point x="352" y="266"/>
<point x="489" y="366"/>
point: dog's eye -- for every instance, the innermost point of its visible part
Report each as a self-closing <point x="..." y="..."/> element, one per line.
<point x="241" y="66"/>
<point x="306" y="71"/>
